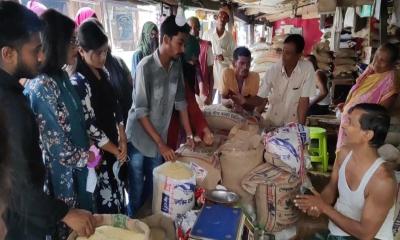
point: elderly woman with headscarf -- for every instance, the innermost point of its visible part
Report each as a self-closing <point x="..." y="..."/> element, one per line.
<point x="379" y="84"/>
<point x="148" y="43"/>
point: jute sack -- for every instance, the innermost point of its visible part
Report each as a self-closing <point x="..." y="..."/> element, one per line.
<point x="242" y="152"/>
<point x="324" y="66"/>
<point x="161" y="227"/>
<point x="323" y="57"/>
<point x="259" y="47"/>
<point x="321" y="47"/>
<point x="123" y="222"/>
<point x="344" y="61"/>
<point x="344" y="69"/>
<point x="204" y="162"/>
<point x="220" y="117"/>
<point x="345" y="53"/>
<point x="326" y="6"/>
<point x="266" y="58"/>
<point x="285" y="145"/>
<point x="275" y="190"/>
<point x="260" y="68"/>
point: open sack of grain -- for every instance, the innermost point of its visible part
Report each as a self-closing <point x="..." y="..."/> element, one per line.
<point x="221" y="117"/>
<point x="117" y="227"/>
<point x="323" y="55"/>
<point x="204" y="162"/>
<point x="173" y="189"/>
<point x="241" y="153"/>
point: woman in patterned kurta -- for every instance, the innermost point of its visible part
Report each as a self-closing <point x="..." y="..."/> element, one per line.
<point x="91" y="72"/>
<point x="63" y="131"/>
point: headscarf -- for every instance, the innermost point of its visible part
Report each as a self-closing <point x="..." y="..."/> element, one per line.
<point x="83" y="14"/>
<point x="145" y="39"/>
<point x="36" y="7"/>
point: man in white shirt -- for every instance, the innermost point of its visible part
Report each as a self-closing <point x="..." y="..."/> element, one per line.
<point x="223" y="46"/>
<point x="288" y="85"/>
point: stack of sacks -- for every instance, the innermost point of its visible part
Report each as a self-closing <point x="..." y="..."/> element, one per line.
<point x="345" y="62"/>
<point x="262" y="56"/>
<point x="277" y="41"/>
<point x="323" y="55"/>
<point x="241" y="153"/>
<point x="393" y="34"/>
<point x="204" y="162"/>
<point x="259" y="47"/>
<point x="276" y="183"/>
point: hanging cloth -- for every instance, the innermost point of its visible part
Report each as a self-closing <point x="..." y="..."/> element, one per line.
<point x="377" y="9"/>
<point x="366" y="11"/>
<point x="349" y="18"/>
<point x="336" y="29"/>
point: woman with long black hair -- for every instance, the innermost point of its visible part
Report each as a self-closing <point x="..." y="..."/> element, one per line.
<point x="64" y="136"/>
<point x="90" y="71"/>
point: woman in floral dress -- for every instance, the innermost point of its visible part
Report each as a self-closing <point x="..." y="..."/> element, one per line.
<point x="64" y="135"/>
<point x="90" y="71"/>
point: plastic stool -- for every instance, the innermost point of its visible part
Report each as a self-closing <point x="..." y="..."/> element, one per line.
<point x="318" y="152"/>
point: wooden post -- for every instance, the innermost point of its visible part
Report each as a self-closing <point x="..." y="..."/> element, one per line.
<point x="383" y="22"/>
<point x="231" y="19"/>
<point x="251" y="32"/>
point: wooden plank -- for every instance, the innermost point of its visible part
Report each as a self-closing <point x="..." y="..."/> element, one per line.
<point x="352" y="3"/>
<point x="251" y="30"/>
<point x="383" y="22"/>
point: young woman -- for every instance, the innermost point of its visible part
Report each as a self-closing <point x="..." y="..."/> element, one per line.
<point x="319" y="104"/>
<point x="63" y="133"/>
<point x="90" y="71"/>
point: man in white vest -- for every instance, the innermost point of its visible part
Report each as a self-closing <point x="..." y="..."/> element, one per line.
<point x="223" y="46"/>
<point x="363" y="188"/>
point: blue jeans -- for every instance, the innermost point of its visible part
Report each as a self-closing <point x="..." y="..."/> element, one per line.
<point x="140" y="178"/>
